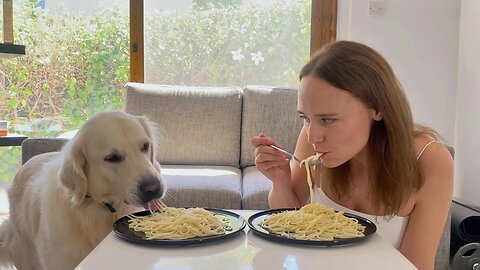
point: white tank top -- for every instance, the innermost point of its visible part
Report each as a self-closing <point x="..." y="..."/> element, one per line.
<point x="392" y="229"/>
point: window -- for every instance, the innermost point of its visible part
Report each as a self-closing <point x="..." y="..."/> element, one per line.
<point x="227" y="42"/>
<point x="78" y="55"/>
<point x="223" y="43"/>
<point x="76" y="64"/>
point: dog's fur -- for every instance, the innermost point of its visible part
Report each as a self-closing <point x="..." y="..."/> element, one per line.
<point x="57" y="215"/>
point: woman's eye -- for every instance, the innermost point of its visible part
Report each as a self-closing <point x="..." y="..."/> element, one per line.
<point x="145" y="147"/>
<point x="113" y="158"/>
<point x="305" y="119"/>
<point x="327" y="121"/>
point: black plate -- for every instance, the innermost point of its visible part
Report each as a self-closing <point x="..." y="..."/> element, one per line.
<point x="120" y="227"/>
<point x="254" y="220"/>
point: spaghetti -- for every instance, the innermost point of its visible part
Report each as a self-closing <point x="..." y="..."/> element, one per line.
<point x="309" y="161"/>
<point x="178" y="223"/>
<point x="313" y="221"/>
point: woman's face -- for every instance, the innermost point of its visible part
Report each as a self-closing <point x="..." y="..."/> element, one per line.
<point x="336" y="122"/>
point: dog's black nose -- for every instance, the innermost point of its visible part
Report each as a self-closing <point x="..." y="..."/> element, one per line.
<point x="149" y="189"/>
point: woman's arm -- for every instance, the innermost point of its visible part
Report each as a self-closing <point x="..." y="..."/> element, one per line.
<point x="274" y="165"/>
<point x="432" y="204"/>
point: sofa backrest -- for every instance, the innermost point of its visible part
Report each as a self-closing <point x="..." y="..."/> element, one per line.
<point x="272" y="111"/>
<point x="198" y="125"/>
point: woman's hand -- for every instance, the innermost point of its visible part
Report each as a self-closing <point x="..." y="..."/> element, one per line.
<point x="269" y="161"/>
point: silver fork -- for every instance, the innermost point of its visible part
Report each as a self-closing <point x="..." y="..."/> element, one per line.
<point x="292" y="156"/>
<point x="286" y="153"/>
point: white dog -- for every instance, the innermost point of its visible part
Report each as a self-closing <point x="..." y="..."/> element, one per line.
<point x="63" y="204"/>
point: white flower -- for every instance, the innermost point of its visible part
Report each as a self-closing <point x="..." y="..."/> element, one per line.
<point x="160" y="46"/>
<point x="44" y="60"/>
<point x="257" y="57"/>
<point x="237" y="55"/>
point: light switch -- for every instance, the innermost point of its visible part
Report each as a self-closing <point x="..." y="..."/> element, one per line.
<point x="375" y="8"/>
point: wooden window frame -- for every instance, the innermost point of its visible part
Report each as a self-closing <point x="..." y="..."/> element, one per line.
<point x="323" y="31"/>
<point x="136" y="41"/>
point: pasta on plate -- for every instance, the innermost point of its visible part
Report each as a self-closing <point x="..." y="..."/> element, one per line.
<point x="313" y="221"/>
<point x="172" y="223"/>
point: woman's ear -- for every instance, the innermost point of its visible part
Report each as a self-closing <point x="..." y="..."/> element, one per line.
<point x="377" y="116"/>
<point x="72" y="174"/>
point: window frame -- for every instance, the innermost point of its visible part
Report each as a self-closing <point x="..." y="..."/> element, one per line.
<point x="323" y="31"/>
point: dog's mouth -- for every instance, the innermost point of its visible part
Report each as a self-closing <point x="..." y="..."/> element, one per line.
<point x="149" y="192"/>
<point x="154" y="205"/>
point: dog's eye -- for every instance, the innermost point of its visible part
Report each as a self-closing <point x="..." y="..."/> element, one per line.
<point x="114" y="158"/>
<point x="146" y="147"/>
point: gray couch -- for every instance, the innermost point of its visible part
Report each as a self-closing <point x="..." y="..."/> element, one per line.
<point x="204" y="142"/>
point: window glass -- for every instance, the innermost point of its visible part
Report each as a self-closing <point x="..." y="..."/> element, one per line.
<point x="226" y="42"/>
<point x="76" y="64"/>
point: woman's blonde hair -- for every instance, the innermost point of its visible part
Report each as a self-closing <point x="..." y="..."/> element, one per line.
<point x="363" y="72"/>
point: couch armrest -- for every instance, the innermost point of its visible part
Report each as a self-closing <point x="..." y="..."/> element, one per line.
<point x="35" y="146"/>
<point x="442" y="257"/>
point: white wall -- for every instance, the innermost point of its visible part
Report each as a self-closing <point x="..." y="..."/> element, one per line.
<point x="467" y="136"/>
<point x="420" y="40"/>
<point x="434" y="47"/>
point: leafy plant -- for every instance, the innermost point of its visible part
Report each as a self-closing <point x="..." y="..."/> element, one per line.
<point x="258" y="44"/>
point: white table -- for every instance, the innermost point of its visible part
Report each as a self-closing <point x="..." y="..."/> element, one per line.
<point x="248" y="251"/>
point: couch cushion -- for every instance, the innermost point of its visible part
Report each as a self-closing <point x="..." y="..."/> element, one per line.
<point x="255" y="189"/>
<point x="198" y="125"/>
<point x="272" y="111"/>
<point x="202" y="186"/>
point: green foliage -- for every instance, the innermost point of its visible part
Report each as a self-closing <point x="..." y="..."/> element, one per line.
<point x="75" y="66"/>
<point x="9" y="162"/>
<point x="216" y="47"/>
<point x="209" y="4"/>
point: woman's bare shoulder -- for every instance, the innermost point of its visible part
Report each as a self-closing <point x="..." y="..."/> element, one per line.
<point x="435" y="163"/>
<point x="431" y="202"/>
<point x="428" y="149"/>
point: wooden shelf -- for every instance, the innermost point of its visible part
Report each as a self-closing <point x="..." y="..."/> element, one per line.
<point x="11" y="50"/>
<point x="12" y="139"/>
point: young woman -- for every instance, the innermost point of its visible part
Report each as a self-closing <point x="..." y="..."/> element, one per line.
<point x="375" y="161"/>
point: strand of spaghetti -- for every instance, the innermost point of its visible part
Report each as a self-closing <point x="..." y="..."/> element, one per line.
<point x="309" y="181"/>
<point x="307" y="163"/>
<point x="159" y="204"/>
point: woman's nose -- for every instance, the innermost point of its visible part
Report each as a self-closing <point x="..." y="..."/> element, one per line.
<point x="315" y="134"/>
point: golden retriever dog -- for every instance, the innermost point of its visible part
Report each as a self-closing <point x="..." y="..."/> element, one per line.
<point x="63" y="204"/>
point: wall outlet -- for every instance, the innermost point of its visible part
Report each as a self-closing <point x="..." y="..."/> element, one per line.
<point x="375" y="8"/>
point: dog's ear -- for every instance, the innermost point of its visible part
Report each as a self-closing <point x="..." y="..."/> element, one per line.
<point x="72" y="173"/>
<point x="151" y="130"/>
